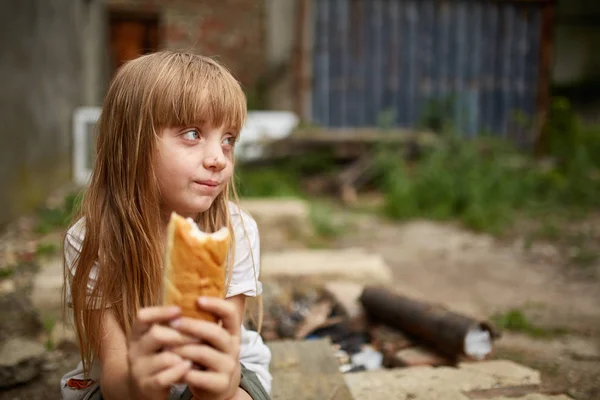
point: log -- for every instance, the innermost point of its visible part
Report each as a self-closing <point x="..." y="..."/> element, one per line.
<point x="451" y="334"/>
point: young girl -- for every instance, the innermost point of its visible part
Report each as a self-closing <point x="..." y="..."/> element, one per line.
<point x="166" y="141"/>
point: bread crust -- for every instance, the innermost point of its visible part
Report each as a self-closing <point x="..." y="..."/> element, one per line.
<point x="195" y="265"/>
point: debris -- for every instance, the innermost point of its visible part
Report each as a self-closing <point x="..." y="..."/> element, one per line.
<point x="316" y="318"/>
<point x="417" y="356"/>
<point x="346" y="295"/>
<point x="369" y="358"/>
<point x="451" y="334"/>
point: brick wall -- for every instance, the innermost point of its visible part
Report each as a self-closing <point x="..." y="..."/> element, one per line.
<point x="231" y="30"/>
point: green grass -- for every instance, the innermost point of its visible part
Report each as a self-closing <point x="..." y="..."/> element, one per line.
<point x="515" y="320"/>
<point x="6" y="272"/>
<point x="267" y="182"/>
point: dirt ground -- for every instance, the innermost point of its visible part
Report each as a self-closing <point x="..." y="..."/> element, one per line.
<point x="480" y="276"/>
<point x="470" y="273"/>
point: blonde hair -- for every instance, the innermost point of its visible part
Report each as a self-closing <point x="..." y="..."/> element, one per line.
<point x="121" y="206"/>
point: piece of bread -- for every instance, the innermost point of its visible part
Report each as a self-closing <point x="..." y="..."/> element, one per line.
<point x="195" y="265"/>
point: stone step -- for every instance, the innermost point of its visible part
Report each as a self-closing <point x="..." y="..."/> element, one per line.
<point x="355" y="265"/>
<point x="496" y="379"/>
<point x="272" y="211"/>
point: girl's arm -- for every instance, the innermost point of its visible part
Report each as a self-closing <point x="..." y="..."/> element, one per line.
<point x="114" y="380"/>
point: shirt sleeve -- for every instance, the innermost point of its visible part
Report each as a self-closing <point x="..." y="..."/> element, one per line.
<point x="246" y="266"/>
<point x="72" y="249"/>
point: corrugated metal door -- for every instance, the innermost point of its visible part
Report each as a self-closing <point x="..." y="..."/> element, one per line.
<point x="475" y="63"/>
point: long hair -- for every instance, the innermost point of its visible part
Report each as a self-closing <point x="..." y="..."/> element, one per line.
<point x="121" y="206"/>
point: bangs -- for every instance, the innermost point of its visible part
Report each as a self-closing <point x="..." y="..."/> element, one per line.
<point x="192" y="89"/>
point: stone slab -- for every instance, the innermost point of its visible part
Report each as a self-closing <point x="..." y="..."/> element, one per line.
<point x="355" y="265"/>
<point x="421" y="383"/>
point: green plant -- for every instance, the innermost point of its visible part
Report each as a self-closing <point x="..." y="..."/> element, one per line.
<point x="46" y="249"/>
<point x="479" y="182"/>
<point x="515" y="321"/>
<point x="486" y="182"/>
<point x="6" y="272"/>
<point x="267" y="182"/>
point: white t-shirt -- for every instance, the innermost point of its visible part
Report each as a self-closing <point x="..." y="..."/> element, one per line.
<point x="254" y="354"/>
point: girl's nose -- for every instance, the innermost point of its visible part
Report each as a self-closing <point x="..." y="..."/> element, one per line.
<point x="215" y="161"/>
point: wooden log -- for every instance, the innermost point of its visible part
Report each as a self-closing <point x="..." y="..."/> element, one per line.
<point x="449" y="333"/>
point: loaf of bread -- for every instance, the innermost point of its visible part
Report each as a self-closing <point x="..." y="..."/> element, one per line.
<point x="195" y="265"/>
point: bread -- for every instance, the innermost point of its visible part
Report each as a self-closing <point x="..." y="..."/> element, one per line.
<point x="195" y="265"/>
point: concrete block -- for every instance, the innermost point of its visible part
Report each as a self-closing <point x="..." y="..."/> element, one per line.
<point x="268" y="211"/>
<point x="440" y="383"/>
<point x="354" y="265"/>
<point x="504" y="372"/>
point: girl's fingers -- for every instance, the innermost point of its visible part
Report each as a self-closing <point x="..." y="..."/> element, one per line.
<point x="225" y="311"/>
<point x="149" y="316"/>
<point x="204" y="331"/>
<point x="159" y="337"/>
<point x="154" y="364"/>
<point x="206" y="356"/>
<point x="214" y="382"/>
<point x="167" y="377"/>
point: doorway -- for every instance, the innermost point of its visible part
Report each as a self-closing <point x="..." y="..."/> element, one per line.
<point x="131" y="34"/>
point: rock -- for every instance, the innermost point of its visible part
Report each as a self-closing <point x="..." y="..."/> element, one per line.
<point x="18" y="317"/>
<point x="21" y="360"/>
<point x="355" y="265"/>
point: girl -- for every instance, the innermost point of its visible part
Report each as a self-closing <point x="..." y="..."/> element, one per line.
<point x="166" y="141"/>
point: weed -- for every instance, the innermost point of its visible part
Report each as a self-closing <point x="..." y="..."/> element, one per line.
<point x="6" y="272"/>
<point x="46" y="249"/>
<point x="516" y="321"/>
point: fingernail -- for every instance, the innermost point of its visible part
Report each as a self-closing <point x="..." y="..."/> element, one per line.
<point x="188" y="363"/>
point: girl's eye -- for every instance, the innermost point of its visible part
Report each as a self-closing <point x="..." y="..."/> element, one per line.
<point x="192" y="134"/>
<point x="230" y="141"/>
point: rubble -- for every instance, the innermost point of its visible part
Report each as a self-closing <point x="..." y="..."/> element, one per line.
<point x="305" y="309"/>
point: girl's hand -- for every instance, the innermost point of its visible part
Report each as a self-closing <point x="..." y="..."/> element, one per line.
<point x="218" y="353"/>
<point x="152" y="371"/>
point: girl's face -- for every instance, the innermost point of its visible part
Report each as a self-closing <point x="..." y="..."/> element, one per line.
<point x="194" y="165"/>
